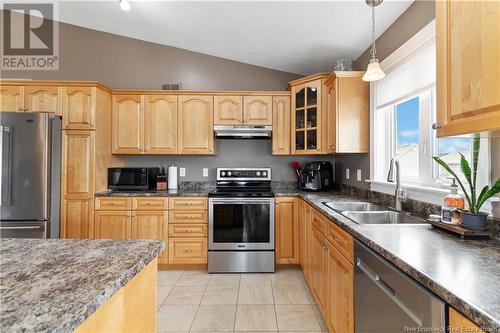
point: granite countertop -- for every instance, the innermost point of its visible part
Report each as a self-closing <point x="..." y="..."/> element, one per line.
<point x="54" y="285"/>
<point x="170" y="193"/>
<point x="464" y="273"/>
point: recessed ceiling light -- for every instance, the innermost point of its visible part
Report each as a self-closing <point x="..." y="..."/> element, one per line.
<point x="124" y="5"/>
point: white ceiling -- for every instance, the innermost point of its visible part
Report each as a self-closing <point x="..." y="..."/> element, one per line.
<point x="301" y="37"/>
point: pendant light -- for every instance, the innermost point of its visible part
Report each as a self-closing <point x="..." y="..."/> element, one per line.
<point x="373" y="72"/>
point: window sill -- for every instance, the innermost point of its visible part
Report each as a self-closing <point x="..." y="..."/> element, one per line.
<point x="433" y="195"/>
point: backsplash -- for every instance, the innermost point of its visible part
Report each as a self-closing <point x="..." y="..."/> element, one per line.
<point x="230" y="153"/>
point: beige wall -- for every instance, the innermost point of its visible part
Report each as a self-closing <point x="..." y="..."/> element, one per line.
<point x="122" y="62"/>
<point x="417" y="16"/>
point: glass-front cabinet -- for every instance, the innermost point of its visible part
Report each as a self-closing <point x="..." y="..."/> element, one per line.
<point x="306" y="117"/>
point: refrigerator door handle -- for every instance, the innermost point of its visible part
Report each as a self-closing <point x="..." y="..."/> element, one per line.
<point x="21" y="228"/>
<point x="6" y="165"/>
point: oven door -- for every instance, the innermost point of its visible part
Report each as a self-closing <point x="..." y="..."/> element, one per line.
<point x="241" y="224"/>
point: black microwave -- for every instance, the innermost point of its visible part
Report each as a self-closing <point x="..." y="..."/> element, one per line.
<point x="132" y="179"/>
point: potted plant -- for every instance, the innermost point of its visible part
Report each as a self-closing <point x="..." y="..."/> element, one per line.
<point x="473" y="218"/>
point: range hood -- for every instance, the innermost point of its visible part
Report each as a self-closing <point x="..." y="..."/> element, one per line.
<point x="243" y="131"/>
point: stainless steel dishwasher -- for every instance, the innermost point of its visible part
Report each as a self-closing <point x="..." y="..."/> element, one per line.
<point x="387" y="300"/>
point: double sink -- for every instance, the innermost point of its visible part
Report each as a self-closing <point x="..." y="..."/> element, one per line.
<point x="369" y="213"/>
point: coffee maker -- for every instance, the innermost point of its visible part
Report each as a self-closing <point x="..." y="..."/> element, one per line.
<point x="316" y="176"/>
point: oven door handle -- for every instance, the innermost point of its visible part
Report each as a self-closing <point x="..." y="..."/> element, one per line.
<point x="241" y="201"/>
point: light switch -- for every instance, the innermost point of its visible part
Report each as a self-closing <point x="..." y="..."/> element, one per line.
<point x="205" y="172"/>
<point x="358" y="175"/>
<point x="347" y="173"/>
<point x="182" y="172"/>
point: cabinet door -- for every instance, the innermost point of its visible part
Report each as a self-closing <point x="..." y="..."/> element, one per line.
<point x="151" y="225"/>
<point x="460" y="324"/>
<point x="306" y="118"/>
<point x="304" y="225"/>
<point x="187" y="250"/>
<point x="78" y="107"/>
<point x="258" y="110"/>
<point x="281" y="125"/>
<point x="319" y="268"/>
<point x="329" y="119"/>
<point x="196" y="130"/>
<point x="160" y="119"/>
<point x="287" y="231"/>
<point x="340" y="315"/>
<point x="228" y="110"/>
<point x="12" y="98"/>
<point x="78" y="163"/>
<point x="113" y="225"/>
<point x="468" y="70"/>
<point x="42" y="99"/>
<point x="77" y="218"/>
<point x="127" y="124"/>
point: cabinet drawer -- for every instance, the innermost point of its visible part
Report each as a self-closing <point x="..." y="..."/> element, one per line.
<point x="149" y="203"/>
<point x="341" y="240"/>
<point x="112" y="203"/>
<point x="188" y="203"/>
<point x="191" y="230"/>
<point x="188" y="216"/>
<point x="187" y="251"/>
<point x="320" y="222"/>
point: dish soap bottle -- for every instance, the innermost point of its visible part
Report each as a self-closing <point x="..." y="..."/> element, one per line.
<point x="452" y="202"/>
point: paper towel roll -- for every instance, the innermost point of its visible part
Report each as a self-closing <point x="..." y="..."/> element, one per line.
<point x="172" y="177"/>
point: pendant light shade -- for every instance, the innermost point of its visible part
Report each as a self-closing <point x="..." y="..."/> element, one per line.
<point x="373" y="71"/>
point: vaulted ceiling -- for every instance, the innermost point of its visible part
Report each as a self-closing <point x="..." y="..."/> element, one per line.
<point x="301" y="37"/>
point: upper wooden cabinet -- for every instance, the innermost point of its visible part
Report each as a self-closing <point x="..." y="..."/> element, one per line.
<point x="258" y="110"/>
<point x="78" y="107"/>
<point x="346" y="114"/>
<point x="12" y="98"/>
<point x="281" y="125"/>
<point x="195" y="125"/>
<point x="330" y="114"/>
<point x="287" y="230"/>
<point x="468" y="66"/>
<point x="42" y="99"/>
<point x="228" y="110"/>
<point x="160" y="130"/>
<point x="128" y="124"/>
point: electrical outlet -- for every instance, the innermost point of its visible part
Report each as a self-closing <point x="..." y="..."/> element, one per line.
<point x="182" y="172"/>
<point x="358" y="175"/>
<point x="347" y="173"/>
<point x="205" y="172"/>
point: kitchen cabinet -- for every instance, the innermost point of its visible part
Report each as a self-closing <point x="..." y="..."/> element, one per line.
<point x="258" y="110"/>
<point x="468" y="70"/>
<point x="281" y="125"/>
<point x="287" y="230"/>
<point x="113" y="224"/>
<point x="150" y="225"/>
<point x="188" y="203"/>
<point x="459" y="323"/>
<point x="160" y="125"/>
<point x="340" y="310"/>
<point x="346" y="114"/>
<point x="12" y="98"/>
<point x="319" y="268"/>
<point x="128" y="124"/>
<point x="228" y="110"/>
<point x="188" y="250"/>
<point x="195" y="125"/>
<point x="77" y="183"/>
<point x="42" y="99"/>
<point x="78" y="107"/>
<point x="305" y="236"/>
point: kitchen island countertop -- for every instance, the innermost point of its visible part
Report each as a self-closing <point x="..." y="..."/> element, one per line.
<point x="53" y="285"/>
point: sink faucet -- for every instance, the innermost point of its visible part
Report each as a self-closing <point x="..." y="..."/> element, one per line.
<point x="400" y="194"/>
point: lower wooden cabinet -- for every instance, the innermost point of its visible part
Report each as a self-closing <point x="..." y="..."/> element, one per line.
<point x="319" y="268"/>
<point x="460" y="324"/>
<point x="188" y="250"/>
<point x="113" y="225"/>
<point x="340" y="309"/>
<point x="151" y="225"/>
<point x="77" y="218"/>
<point x="287" y="230"/>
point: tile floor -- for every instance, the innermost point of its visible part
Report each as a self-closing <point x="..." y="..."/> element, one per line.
<point x="195" y="301"/>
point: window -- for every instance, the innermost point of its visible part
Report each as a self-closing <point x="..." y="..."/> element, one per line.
<point x="403" y="111"/>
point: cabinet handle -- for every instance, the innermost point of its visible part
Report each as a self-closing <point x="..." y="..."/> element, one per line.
<point x="188" y="251"/>
<point x="436" y="126"/>
<point x="189" y="216"/>
<point x="148" y="203"/>
<point x="188" y="230"/>
<point x="189" y="203"/>
<point x="111" y="204"/>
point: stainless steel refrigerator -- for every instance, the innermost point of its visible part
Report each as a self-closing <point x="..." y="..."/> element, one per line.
<point x="30" y="169"/>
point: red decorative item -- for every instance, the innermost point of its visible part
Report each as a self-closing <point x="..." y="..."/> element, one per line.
<point x="296" y="166"/>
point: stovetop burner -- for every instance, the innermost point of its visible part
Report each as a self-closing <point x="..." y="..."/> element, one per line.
<point x="243" y="182"/>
